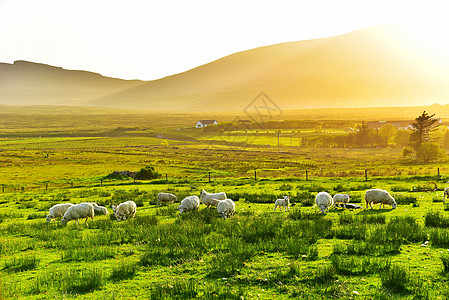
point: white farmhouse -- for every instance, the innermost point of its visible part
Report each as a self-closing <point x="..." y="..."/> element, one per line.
<point x="204" y="123"/>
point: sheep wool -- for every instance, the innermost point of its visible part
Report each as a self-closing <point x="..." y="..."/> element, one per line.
<point x="206" y="198"/>
<point x="188" y="204"/>
<point x="324" y="201"/>
<point x="57" y="211"/>
<point x="79" y="211"/>
<point x="226" y="208"/>
<point x="124" y="210"/>
<point x="379" y="196"/>
<point x="166" y="198"/>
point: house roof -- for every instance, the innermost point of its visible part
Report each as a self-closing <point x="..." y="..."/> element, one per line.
<point x="207" y="122"/>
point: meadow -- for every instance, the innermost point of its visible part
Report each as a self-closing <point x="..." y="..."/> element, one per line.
<point x="256" y="254"/>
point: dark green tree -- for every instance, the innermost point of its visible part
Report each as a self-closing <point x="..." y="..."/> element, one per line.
<point x="421" y="129"/>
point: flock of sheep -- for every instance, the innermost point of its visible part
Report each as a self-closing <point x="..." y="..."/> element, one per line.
<point x="225" y="207"/>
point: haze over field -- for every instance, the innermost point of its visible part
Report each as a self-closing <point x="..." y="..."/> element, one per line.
<point x="378" y="66"/>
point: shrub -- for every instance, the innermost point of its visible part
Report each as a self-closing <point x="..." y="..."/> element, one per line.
<point x="404" y="199"/>
<point x="350" y="265"/>
<point x="147" y="173"/>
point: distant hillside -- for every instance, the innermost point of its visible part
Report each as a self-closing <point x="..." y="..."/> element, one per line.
<point x="27" y="83"/>
<point x="374" y="67"/>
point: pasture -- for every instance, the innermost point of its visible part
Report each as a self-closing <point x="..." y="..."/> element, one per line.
<point x="256" y="254"/>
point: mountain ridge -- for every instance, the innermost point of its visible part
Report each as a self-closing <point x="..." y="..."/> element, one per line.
<point x="368" y="67"/>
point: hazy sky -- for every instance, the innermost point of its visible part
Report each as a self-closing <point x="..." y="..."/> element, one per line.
<point x="147" y="39"/>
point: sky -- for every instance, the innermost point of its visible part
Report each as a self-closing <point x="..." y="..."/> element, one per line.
<point x="151" y="39"/>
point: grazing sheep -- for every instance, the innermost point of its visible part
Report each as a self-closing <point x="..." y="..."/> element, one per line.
<point x="285" y="202"/>
<point x="206" y="198"/>
<point x="226" y="208"/>
<point x="166" y="197"/>
<point x="379" y="196"/>
<point x="446" y="194"/>
<point x="341" y="198"/>
<point x="323" y="200"/>
<point x="124" y="210"/>
<point x="57" y="211"/>
<point x="79" y="211"/>
<point x="100" y="210"/>
<point x="188" y="204"/>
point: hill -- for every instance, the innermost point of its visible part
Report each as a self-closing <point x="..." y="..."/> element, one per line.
<point x="372" y="67"/>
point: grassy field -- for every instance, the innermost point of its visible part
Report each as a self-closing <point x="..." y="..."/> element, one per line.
<point x="256" y="254"/>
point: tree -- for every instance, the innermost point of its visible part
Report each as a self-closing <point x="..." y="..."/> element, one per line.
<point x="387" y="133"/>
<point x="421" y="129"/>
<point x="428" y="152"/>
<point x="362" y="137"/>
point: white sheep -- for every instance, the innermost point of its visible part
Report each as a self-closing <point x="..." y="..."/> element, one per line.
<point x="166" y="197"/>
<point x="446" y="194"/>
<point x="226" y="208"/>
<point x="379" y="196"/>
<point x="206" y="198"/>
<point x="124" y="210"/>
<point x="188" y="204"/>
<point x="79" y="211"/>
<point x="324" y="201"/>
<point x="57" y="211"/>
<point x="285" y="202"/>
<point x="100" y="210"/>
<point x="341" y="198"/>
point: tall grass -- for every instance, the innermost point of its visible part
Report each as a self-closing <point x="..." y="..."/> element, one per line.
<point x="350" y="265"/>
<point x="395" y="279"/>
<point x="89" y="253"/>
<point x="436" y="219"/>
<point x="20" y="264"/>
<point x="123" y="270"/>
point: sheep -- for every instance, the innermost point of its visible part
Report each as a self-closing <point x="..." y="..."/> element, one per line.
<point x="226" y="208"/>
<point x="79" y="211"/>
<point x="188" y="204"/>
<point x="446" y="194"/>
<point x="379" y="196"/>
<point x="57" y="211"/>
<point x="166" y="197"/>
<point x="285" y="202"/>
<point x="100" y="210"/>
<point x="323" y="200"/>
<point x="206" y="198"/>
<point x="341" y="198"/>
<point x="124" y="210"/>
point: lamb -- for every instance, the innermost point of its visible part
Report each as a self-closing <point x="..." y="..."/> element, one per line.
<point x="323" y="200"/>
<point x="206" y="198"/>
<point x="188" y="204"/>
<point x="226" y="208"/>
<point x="79" y="211"/>
<point x="166" y="197"/>
<point x="285" y="202"/>
<point x="124" y="210"/>
<point x="379" y="196"/>
<point x="100" y="210"/>
<point x="446" y="194"/>
<point x="57" y="211"/>
<point x="341" y="198"/>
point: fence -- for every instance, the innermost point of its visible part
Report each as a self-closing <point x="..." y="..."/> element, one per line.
<point x="209" y="179"/>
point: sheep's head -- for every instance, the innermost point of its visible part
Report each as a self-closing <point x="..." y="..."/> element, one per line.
<point x="64" y="221"/>
<point x="322" y="208"/>
<point x="48" y="218"/>
<point x="181" y="210"/>
<point x="393" y="204"/>
<point x="223" y="215"/>
<point x="114" y="208"/>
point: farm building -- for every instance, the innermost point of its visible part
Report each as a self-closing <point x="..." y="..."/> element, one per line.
<point x="204" y="123"/>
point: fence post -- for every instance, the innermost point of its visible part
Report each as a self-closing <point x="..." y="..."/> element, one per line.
<point x="166" y="178"/>
<point x="101" y="182"/>
<point x="71" y="184"/>
<point x="209" y="177"/>
<point x="438" y="173"/>
<point x="255" y="175"/>
<point x="366" y="175"/>
<point x="46" y="186"/>
<point x="307" y="176"/>
<point x="3" y="189"/>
